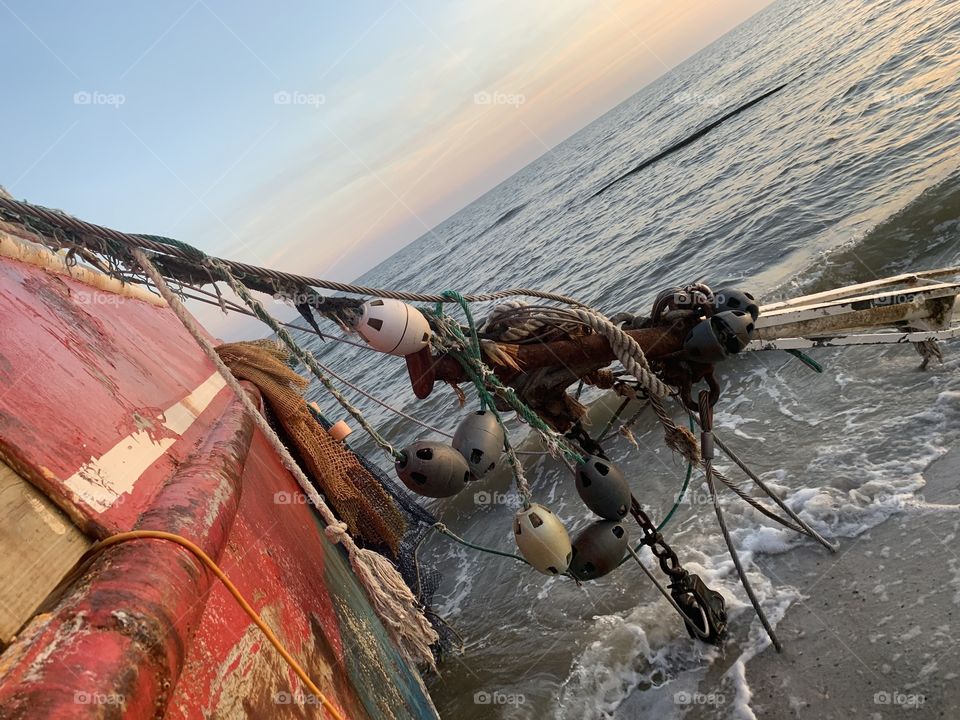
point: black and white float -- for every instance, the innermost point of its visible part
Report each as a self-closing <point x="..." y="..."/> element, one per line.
<point x="433" y="469"/>
<point x="393" y="327"/>
<point x="603" y="488"/>
<point x="598" y="549"/>
<point x="715" y="338"/>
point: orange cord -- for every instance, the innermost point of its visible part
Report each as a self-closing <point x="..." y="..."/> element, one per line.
<point x="215" y="569"/>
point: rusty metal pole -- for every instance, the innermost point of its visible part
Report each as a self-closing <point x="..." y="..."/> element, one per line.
<point x="586" y="353"/>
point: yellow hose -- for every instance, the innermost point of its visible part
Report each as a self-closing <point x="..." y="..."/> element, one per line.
<point x="215" y="569"/>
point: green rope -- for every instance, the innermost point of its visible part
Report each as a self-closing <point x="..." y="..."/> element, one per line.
<point x="441" y="528"/>
<point x="486" y="401"/>
<point x="190" y="250"/>
<point x="473" y="348"/>
<point x="683" y="489"/>
<point x="459" y="299"/>
<point x="807" y="360"/>
<point x="481" y="376"/>
<point x="677" y="502"/>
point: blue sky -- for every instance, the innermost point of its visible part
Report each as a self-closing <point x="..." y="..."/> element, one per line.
<point x="313" y="136"/>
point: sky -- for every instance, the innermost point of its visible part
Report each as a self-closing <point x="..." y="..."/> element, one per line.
<point x="317" y="137"/>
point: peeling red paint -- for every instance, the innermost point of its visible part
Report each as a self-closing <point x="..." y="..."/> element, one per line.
<point x="130" y="621"/>
<point x="147" y="632"/>
<point x="88" y="371"/>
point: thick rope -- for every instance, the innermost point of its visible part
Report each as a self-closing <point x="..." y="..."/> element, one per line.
<point x="630" y="354"/>
<point x="391" y="599"/>
<point x="96" y="237"/>
<point x="626" y="349"/>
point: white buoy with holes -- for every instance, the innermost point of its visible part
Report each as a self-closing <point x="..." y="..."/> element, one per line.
<point x="393" y="327"/>
<point x="542" y="540"/>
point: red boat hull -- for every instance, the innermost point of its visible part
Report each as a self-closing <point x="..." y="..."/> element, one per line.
<point x="109" y="407"/>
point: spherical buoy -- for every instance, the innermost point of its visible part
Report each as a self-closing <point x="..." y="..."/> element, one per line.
<point x="542" y="540"/>
<point x="603" y="488"/>
<point x="598" y="550"/>
<point x="734" y="299"/>
<point x="702" y="344"/>
<point x="734" y="328"/>
<point x="393" y="327"/>
<point x="433" y="469"/>
<point x="479" y="438"/>
<point x="716" y="338"/>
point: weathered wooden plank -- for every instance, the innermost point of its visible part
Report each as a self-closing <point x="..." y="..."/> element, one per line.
<point x="906" y="278"/>
<point x="38" y="545"/>
<point x="927" y="307"/>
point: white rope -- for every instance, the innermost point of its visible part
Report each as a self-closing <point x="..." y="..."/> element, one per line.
<point x="388" y="593"/>
<point x="626" y="349"/>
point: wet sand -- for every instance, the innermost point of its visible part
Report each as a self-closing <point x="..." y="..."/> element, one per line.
<point x="874" y="636"/>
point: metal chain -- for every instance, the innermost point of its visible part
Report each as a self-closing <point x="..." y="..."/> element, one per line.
<point x="653" y="539"/>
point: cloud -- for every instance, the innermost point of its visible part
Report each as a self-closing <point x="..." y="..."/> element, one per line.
<point x="403" y="143"/>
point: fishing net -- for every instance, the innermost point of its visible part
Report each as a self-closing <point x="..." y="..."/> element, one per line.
<point x="378" y="510"/>
<point x="356" y="496"/>
<point x="423" y="580"/>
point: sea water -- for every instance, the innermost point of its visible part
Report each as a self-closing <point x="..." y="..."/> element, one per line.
<point x="850" y="173"/>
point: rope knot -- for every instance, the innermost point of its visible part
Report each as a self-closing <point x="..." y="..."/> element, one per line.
<point x="337" y="532"/>
<point x="681" y="440"/>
